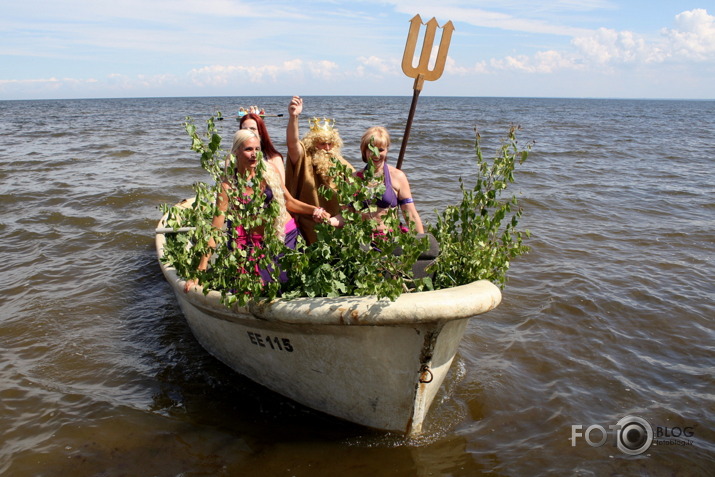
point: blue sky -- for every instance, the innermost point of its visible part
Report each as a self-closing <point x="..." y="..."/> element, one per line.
<point x="513" y="48"/>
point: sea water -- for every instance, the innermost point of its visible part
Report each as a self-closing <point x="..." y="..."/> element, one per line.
<point x="609" y="316"/>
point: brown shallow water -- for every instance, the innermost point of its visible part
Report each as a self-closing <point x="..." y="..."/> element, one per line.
<point x="610" y="315"/>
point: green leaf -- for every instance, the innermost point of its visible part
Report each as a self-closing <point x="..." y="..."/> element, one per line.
<point x="475" y="244"/>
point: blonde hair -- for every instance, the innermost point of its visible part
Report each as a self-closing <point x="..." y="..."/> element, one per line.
<point x="271" y="178"/>
<point x="379" y="136"/>
<point x="240" y="137"/>
<point x="313" y="138"/>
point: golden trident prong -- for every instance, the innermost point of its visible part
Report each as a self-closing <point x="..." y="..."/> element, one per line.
<point x="422" y="71"/>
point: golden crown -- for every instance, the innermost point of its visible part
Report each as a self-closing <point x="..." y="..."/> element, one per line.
<point x="320" y="125"/>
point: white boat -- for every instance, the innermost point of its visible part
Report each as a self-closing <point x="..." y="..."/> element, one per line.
<point x="378" y="363"/>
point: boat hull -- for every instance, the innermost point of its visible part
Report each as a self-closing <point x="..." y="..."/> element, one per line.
<point x="378" y="363"/>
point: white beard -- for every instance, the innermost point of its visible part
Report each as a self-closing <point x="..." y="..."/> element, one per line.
<point x="323" y="161"/>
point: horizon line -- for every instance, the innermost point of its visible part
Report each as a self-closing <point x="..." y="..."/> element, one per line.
<point x="619" y="98"/>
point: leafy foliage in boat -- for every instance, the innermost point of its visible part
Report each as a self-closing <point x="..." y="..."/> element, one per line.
<point x="355" y="259"/>
<point x="478" y="237"/>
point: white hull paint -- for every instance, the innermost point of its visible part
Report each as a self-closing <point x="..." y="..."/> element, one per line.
<point x="373" y="362"/>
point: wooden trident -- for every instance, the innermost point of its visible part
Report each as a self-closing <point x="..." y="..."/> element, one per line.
<point x="422" y="71"/>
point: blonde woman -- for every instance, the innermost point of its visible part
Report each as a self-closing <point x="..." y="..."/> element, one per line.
<point x="246" y="148"/>
<point x="397" y="188"/>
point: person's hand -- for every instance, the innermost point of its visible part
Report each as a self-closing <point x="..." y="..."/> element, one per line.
<point x="190" y="284"/>
<point x="296" y="106"/>
<point x="320" y="215"/>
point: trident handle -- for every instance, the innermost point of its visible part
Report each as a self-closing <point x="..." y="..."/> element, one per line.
<point x="422" y="72"/>
<point x="415" y="95"/>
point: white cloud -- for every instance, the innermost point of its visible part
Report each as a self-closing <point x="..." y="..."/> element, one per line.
<point x="695" y="36"/>
<point x="48" y="83"/>
<point x="541" y="62"/>
<point x="523" y="16"/>
<point x="607" y="46"/>
<point x="224" y="75"/>
<point x="44" y="87"/>
<point x="159" y="11"/>
<point x="377" y="67"/>
<point x="693" y="39"/>
<point x="324" y="70"/>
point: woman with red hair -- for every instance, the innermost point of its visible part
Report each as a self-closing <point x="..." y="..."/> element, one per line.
<point x="255" y="123"/>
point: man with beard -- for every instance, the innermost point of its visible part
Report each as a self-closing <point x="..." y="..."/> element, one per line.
<point x="309" y="162"/>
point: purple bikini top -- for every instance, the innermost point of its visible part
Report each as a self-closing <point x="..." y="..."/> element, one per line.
<point x="389" y="197"/>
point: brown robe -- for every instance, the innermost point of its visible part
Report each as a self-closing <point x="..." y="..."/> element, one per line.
<point x="303" y="183"/>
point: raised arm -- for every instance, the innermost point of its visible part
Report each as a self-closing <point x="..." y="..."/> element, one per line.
<point x="295" y="149"/>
